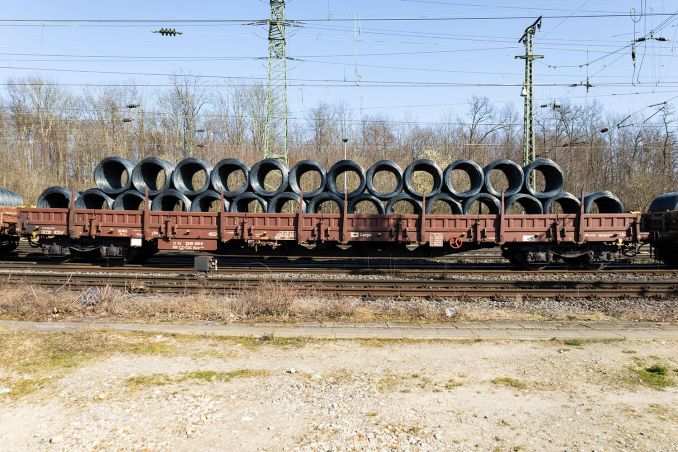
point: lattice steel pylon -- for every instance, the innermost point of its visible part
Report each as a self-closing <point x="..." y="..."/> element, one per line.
<point x="275" y="138"/>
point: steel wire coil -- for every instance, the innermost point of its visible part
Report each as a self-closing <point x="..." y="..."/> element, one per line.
<point x="513" y="173"/>
<point x="341" y="167"/>
<point x="56" y="198"/>
<point x="241" y="203"/>
<point x="424" y="166"/>
<point x="384" y="166"/>
<point x="222" y="171"/>
<point x="171" y="199"/>
<point x="403" y="197"/>
<point x="185" y="172"/>
<point x="10" y="199"/>
<point x="304" y="167"/>
<point x="277" y="203"/>
<point x="492" y="204"/>
<point x="554" y="178"/>
<point x="113" y="175"/>
<point x="258" y="175"/>
<point x="605" y="201"/>
<point x="367" y="198"/>
<point x="147" y="172"/>
<point x="130" y="200"/>
<point x="472" y="170"/>
<point x="569" y="204"/>
<point x="454" y="205"/>
<point x="94" y="198"/>
<point x="530" y="204"/>
<point x="314" y="204"/>
<point x="204" y="201"/>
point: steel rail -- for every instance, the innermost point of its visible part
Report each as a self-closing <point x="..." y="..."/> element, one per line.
<point x="350" y="287"/>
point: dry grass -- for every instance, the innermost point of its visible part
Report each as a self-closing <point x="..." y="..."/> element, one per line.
<point x="510" y="382"/>
<point x="160" y="379"/>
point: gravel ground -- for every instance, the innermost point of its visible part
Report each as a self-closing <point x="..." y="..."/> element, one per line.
<point x="208" y="394"/>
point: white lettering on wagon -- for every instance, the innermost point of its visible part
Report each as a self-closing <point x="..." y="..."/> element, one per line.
<point x="285" y="235"/>
<point x="361" y="235"/>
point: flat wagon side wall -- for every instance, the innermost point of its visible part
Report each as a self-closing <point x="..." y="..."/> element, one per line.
<point x="204" y="231"/>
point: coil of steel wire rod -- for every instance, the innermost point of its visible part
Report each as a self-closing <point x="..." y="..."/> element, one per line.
<point x="368" y="199"/>
<point x="529" y="204"/>
<point x="56" y="198"/>
<point x="665" y="202"/>
<point x="94" y="198"/>
<point x="335" y="183"/>
<point x="454" y="206"/>
<point x="554" y="178"/>
<point x="171" y="200"/>
<point x="242" y="203"/>
<point x="277" y="203"/>
<point x="491" y="203"/>
<point x="568" y="203"/>
<point x="113" y="175"/>
<point x="10" y="199"/>
<point x="222" y="181"/>
<point x="185" y="173"/>
<point x="604" y="202"/>
<point x="209" y="201"/>
<point x="475" y="174"/>
<point x="304" y="167"/>
<point x="315" y="203"/>
<point x="259" y="173"/>
<point x="130" y="200"/>
<point x="385" y="166"/>
<point x="403" y="198"/>
<point x="153" y="174"/>
<point x="511" y="171"/>
<point x="424" y="166"/>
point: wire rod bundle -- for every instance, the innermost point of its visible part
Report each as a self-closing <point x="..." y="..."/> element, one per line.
<point x="10" y="199"/>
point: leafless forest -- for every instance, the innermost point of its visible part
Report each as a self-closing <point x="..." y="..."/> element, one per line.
<point x="55" y="135"/>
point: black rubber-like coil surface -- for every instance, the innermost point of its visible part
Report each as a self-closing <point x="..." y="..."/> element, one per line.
<point x="168" y="200"/>
<point x="10" y="199"/>
<point x="474" y="172"/>
<point x="303" y="167"/>
<point x="314" y="203"/>
<point x="606" y="201"/>
<point x="276" y="204"/>
<point x="182" y="177"/>
<point x="455" y="206"/>
<point x="108" y="175"/>
<point x="425" y="166"/>
<point x="222" y="170"/>
<point x="385" y="166"/>
<point x="94" y="198"/>
<point x="336" y="187"/>
<point x="241" y="202"/>
<point x="665" y="202"/>
<point x="130" y="200"/>
<point x="530" y="204"/>
<point x="554" y="178"/>
<point x="56" y="198"/>
<point x="204" y="200"/>
<point x="365" y="197"/>
<point x="404" y="197"/>
<point x="489" y="201"/>
<point x="258" y="176"/>
<point x="513" y="172"/>
<point x="569" y="203"/>
<point x="146" y="172"/>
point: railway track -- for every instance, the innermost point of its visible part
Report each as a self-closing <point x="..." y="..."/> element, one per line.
<point x="141" y="283"/>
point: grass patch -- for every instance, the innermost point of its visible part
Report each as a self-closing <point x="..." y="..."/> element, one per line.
<point x="211" y="375"/>
<point x="269" y="339"/>
<point x="510" y="382"/>
<point x="573" y="343"/>
<point x="452" y="383"/>
<point x="151" y="348"/>
<point x="629" y="352"/>
<point x="655" y="376"/>
<point x="23" y="386"/>
<point x="144" y="381"/>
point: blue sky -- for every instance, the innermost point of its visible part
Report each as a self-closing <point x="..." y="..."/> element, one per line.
<point x="356" y="60"/>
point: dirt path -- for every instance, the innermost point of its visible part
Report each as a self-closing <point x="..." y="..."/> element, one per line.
<point x="125" y="390"/>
